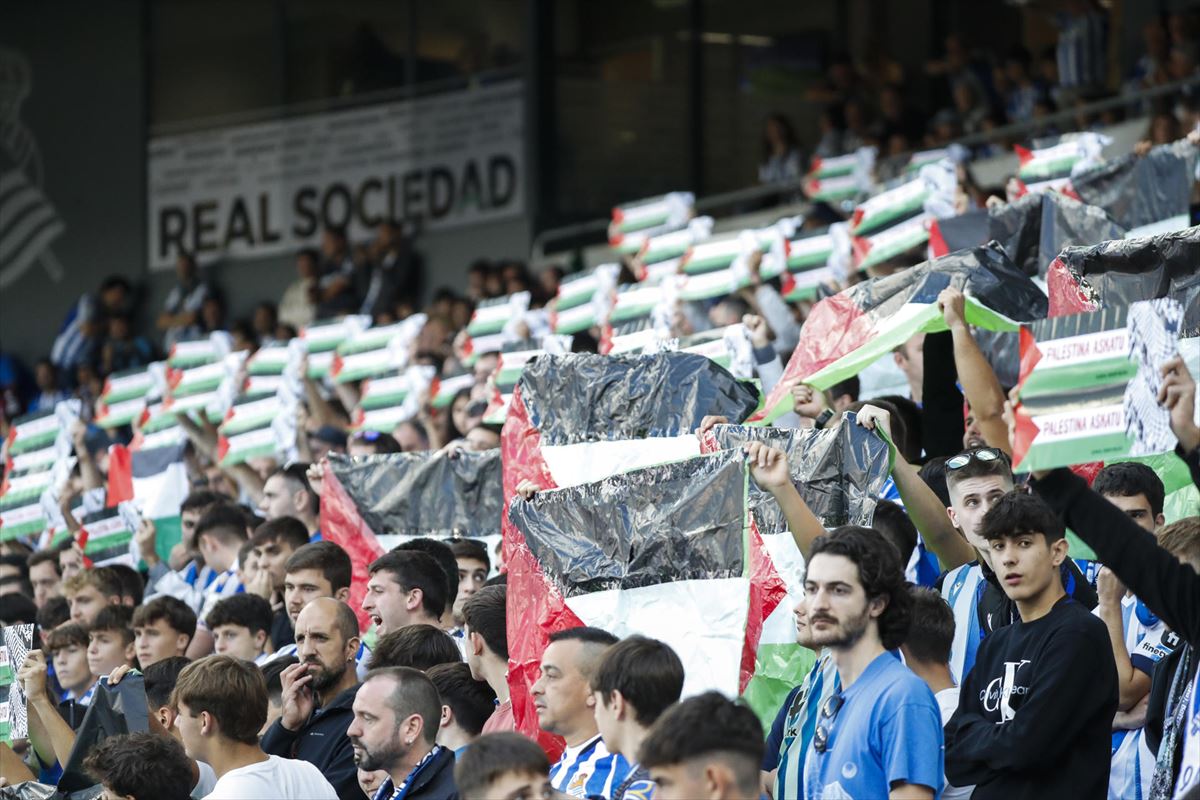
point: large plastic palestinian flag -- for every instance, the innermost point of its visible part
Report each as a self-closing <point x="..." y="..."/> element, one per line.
<point x="847" y="332"/>
<point x="372" y="498"/>
<point x="1124" y="272"/>
<point x="581" y="418"/>
<point x="156" y="483"/>
<point x="667" y="551"/>
<point x="1034" y="229"/>
<point x="1146" y="194"/>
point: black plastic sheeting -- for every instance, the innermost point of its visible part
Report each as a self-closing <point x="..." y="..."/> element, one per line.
<point x="965" y="230"/>
<point x="672" y="522"/>
<point x="425" y="494"/>
<point x="839" y="471"/>
<point x="114" y="710"/>
<point x="986" y="273"/>
<point x="1035" y="228"/>
<point x="586" y="397"/>
<point x="1141" y="190"/>
<point x="1144" y="268"/>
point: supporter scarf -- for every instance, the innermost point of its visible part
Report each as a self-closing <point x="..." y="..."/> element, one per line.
<point x="1163" y="784"/>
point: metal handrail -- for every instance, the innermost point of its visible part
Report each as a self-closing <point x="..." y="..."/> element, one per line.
<point x="760" y="192"/>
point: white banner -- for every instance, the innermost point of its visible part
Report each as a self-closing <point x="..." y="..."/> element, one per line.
<point x="257" y="190"/>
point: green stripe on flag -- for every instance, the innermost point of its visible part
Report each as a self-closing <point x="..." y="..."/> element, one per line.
<point x="1080" y="450"/>
<point x="34" y="442"/>
<point x="778" y="668"/>
<point x="1071" y="377"/>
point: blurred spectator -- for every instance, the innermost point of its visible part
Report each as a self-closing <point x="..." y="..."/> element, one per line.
<point x="1164" y="129"/>
<point x="296" y="307"/>
<point x="955" y="66"/>
<point x="180" y="317"/>
<point x="80" y="334"/>
<point x="831" y="124"/>
<point x="212" y="314"/>
<point x="266" y="320"/>
<point x="1023" y="92"/>
<point x="477" y="275"/>
<point x="781" y="158"/>
<point x="394" y="270"/>
<point x="123" y="350"/>
<point x="1082" y="46"/>
<point x="335" y="296"/>
<point x="49" y="390"/>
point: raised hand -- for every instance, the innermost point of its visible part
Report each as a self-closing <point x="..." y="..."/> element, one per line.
<point x="952" y="303"/>
<point x="146" y="538"/>
<point x="1178" y="396"/>
<point x="760" y="332"/>
<point x="768" y="466"/>
<point x="297" y="698"/>
<point x="32" y="674"/>
<point x="526" y="489"/>
<point x="711" y="421"/>
<point x="807" y="401"/>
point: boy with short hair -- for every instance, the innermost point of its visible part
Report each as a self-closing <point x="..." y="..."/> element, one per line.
<point x="319" y="569"/>
<point x="89" y="591"/>
<point x="144" y="766"/>
<point x="466" y="705"/>
<point x="67" y="646"/>
<point x="485" y="629"/>
<point x="110" y="640"/>
<point x="473" y="568"/>
<point x="503" y="765"/>
<point x="274" y="542"/>
<point x="162" y="628"/>
<point x="1035" y="713"/>
<point x="1135" y="489"/>
<point x="240" y="627"/>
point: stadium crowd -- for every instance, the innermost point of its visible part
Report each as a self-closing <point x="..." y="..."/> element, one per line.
<point x="1013" y="670"/>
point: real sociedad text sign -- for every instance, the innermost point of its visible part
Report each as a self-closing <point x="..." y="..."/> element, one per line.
<point x="257" y="190"/>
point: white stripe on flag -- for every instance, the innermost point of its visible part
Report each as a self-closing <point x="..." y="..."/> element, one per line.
<point x="587" y="462"/>
<point x="159" y="496"/>
<point x="703" y="620"/>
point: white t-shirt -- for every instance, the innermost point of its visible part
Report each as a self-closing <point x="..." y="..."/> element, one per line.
<point x="206" y="782"/>
<point x="947" y="700"/>
<point x="274" y="779"/>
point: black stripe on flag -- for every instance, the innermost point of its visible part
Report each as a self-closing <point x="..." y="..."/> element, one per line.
<point x="672" y="522"/>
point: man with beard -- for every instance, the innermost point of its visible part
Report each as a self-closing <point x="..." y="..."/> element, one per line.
<point x="880" y="734"/>
<point x="318" y="693"/>
<point x="396" y="717"/>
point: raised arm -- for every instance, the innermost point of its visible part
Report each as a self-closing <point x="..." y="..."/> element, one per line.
<point x="769" y="468"/>
<point x="1132" y="684"/>
<point x="980" y="384"/>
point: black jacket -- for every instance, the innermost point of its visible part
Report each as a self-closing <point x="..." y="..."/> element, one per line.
<point x="323" y="743"/>
<point x="1035" y="713"/>
<point x="434" y="780"/>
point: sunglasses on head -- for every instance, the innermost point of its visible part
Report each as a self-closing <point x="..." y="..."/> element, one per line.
<point x="978" y="454"/>
<point x="829" y="710"/>
<point x="368" y="436"/>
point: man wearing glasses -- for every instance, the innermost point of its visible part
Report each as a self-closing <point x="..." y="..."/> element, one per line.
<point x="880" y="735"/>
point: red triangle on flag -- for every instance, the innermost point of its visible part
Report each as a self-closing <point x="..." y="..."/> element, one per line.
<point x="120" y="475"/>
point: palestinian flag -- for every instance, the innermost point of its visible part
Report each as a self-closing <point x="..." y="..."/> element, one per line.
<point x="1142" y="191"/>
<point x="421" y="494"/>
<point x="196" y="380"/>
<point x="105" y="537"/>
<point x="1034" y="229"/>
<point x="156" y="483"/>
<point x="632" y="337"/>
<point x="673" y="244"/>
<point x="353" y="367"/>
<point x="841" y="177"/>
<point x="263" y="384"/>
<point x="834" y="166"/>
<point x="847" y="332"/>
<point x="385" y="391"/>
<point x="238" y="448"/>
<point x="321" y="340"/>
<point x="491" y="316"/>
<point x="666" y="551"/>
<point x="24" y="483"/>
<point x="121" y="413"/>
<point x="375" y="351"/>
<point x="196" y="352"/>
<point x="890" y="206"/>
<point x="447" y="388"/>
<point x="31" y="432"/>
<point x="812" y="261"/>
<point x="959" y="232"/>
<point x="1083" y="391"/>
<point x="21" y="488"/>
<point x="1124" y="272"/>
<point x="955" y="153"/>
<point x="890" y="242"/>
<point x="1055" y="158"/>
<point x="268" y="360"/>
<point x="251" y="412"/>
<point x="839" y="471"/>
<point x="584" y="300"/>
<point x="127" y="385"/>
<point x="580" y="418"/>
<point x="656" y="214"/>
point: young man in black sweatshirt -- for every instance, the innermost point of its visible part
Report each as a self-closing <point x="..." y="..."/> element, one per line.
<point x="1035" y="713"/>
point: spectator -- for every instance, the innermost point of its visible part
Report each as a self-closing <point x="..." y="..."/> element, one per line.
<point x="297" y="306"/>
<point x="561" y="697"/>
<point x="49" y="391"/>
<point x="781" y="157"/>
<point x="265" y="323"/>
<point x="334" y="291"/>
<point x="78" y="340"/>
<point x="222" y="704"/>
<point x="412" y="436"/>
<point x="319" y="569"/>
<point x="90" y="591"/>
<point x="44" y="576"/>
<point x="1135" y="489"/>
<point x="17" y="609"/>
<point x="859" y="607"/>
<point x="636" y="682"/>
<point x="241" y="627"/>
<point x="1082" y="46"/>
<point x="416" y="646"/>
<point x="1047" y="731"/>
<point x="706" y="746"/>
<point x="275" y="541"/>
<point x="372" y="443"/>
<point x="143" y="766"/>
<point x="444" y="556"/>
<point x="122" y="349"/>
<point x="503" y="765"/>
<point x="212" y="314"/>
<point x="14" y="575"/>
<point x="926" y="652"/>
<point x="110" y="640"/>
<point x="1023" y="93"/>
<point x="473" y="567"/>
<point x="484" y="624"/>
<point x="405" y="588"/>
<point x="162" y="628"/>
<point x="180" y="317"/>
<point x="318" y="694"/>
<point x="396" y="716"/>
<point x="466" y="705"/>
<point x="395" y="270"/>
<point x="272" y="672"/>
<point x="288" y="493"/>
<point x="220" y="534"/>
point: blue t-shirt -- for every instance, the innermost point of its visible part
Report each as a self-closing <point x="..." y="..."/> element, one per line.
<point x="887" y="730"/>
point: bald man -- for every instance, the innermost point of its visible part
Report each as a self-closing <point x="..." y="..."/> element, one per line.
<point x="318" y="695"/>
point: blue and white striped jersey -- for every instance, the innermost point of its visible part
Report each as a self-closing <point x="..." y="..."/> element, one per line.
<point x="589" y="770"/>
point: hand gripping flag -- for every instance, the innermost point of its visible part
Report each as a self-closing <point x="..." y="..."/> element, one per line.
<point x="667" y="551"/>
<point x="1124" y="272"/>
<point x="579" y="418"/>
<point x="370" y="500"/>
<point x="850" y="330"/>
